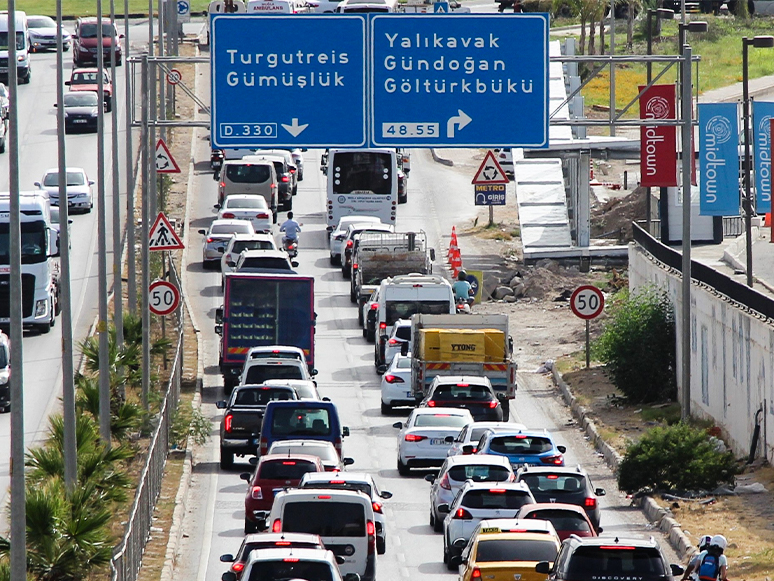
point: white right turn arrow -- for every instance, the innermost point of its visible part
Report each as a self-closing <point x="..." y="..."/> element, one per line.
<point x="461" y="119"/>
<point x="294" y="128"/>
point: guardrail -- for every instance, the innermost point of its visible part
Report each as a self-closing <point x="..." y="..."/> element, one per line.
<point x="127" y="556"/>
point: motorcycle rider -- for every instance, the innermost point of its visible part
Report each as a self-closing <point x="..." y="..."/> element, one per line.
<point x="463" y="291"/>
<point x="291" y="228"/>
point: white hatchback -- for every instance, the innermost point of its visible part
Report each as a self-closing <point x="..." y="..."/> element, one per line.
<point x="396" y="384"/>
<point x="422" y="441"/>
<point x="251" y="207"/>
<point x="467" y="440"/>
<point x="336" y="237"/>
<point x="240" y="242"/>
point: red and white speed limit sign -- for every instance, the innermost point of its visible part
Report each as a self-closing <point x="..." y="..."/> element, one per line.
<point x="163" y="297"/>
<point x="174" y="76"/>
<point x="587" y="302"/>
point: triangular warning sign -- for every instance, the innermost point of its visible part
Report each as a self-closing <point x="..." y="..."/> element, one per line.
<point x="165" y="163"/>
<point x="490" y="172"/>
<point x="163" y="235"/>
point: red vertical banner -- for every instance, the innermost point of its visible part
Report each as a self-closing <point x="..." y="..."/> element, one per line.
<point x="658" y="144"/>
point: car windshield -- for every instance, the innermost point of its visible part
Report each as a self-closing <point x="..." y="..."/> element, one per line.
<point x="244" y="228"/>
<point x="290" y="568"/>
<point x="563" y="520"/>
<point x="246" y="173"/>
<point x="19" y="40"/>
<point x="262" y="395"/>
<point x="90" y="30"/>
<point x="251" y="202"/>
<point x="241" y="245"/>
<point x="495" y="498"/>
<point x="462" y="392"/>
<point x="555" y="483"/>
<point x="515" y="550"/>
<point x="326" y="453"/>
<point x="301" y="421"/>
<point x="40" y="22"/>
<point x="325" y="518"/>
<point x="440" y="421"/>
<point x="616" y="562"/>
<point x="285" y="469"/>
<point x="34" y="243"/>
<point x="358" y="172"/>
<point x="74" y="178"/>
<point x="363" y="487"/>
<point x="479" y="473"/>
<point x="81" y="99"/>
<point x="520" y="444"/>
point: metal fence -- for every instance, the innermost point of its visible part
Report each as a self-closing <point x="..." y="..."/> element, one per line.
<point x="127" y="556"/>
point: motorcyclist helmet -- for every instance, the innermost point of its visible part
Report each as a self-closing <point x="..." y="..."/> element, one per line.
<point x="462" y="275"/>
<point x="719" y="541"/>
<point x="704" y="542"/>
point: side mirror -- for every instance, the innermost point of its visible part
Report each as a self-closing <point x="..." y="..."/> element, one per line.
<point x="467" y="449"/>
<point x="203" y="232"/>
<point x="381" y="369"/>
<point x="245" y="476"/>
<point x="227" y="558"/>
<point x="398" y="425"/>
<point x="313" y="372"/>
<point x="455" y="560"/>
<point x="348" y="461"/>
<point x="600" y="491"/>
<point x="443" y="509"/>
<point x="68" y="82"/>
<point x="216" y="206"/>
<point x="294" y="263"/>
<point x="340" y="560"/>
<point x="345" y="431"/>
<point x="56" y="104"/>
<point x="253" y="461"/>
<point x="460" y="543"/>
<point x="326" y="399"/>
<point x="429" y="478"/>
<point x="219" y="330"/>
<point x="219" y="315"/>
<point x="543" y="567"/>
<point x="92" y="182"/>
<point x="432" y="254"/>
<point x="221" y="405"/>
<point x="229" y="576"/>
<point x="36" y="184"/>
<point x="351" y="577"/>
<point x="676" y="569"/>
<point x="562" y="449"/>
<point x="449" y="439"/>
<point x="230" y="263"/>
<point x="385" y="495"/>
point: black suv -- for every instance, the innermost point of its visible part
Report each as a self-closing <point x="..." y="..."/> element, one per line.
<point x="609" y="558"/>
<point x="563" y="484"/>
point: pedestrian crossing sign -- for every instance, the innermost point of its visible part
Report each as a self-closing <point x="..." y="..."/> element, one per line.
<point x="163" y="235"/>
<point x="441" y="8"/>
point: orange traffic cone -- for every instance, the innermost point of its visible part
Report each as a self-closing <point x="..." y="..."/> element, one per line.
<point x="455" y="261"/>
<point x="453" y="243"/>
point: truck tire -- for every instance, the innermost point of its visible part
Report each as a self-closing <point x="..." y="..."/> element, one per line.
<point x="506" y="405"/>
<point x="226" y="459"/>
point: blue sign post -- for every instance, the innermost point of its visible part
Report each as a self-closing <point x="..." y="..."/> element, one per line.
<point x="288" y="81"/>
<point x="459" y="80"/>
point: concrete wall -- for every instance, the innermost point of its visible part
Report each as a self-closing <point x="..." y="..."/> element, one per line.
<point x="732" y="356"/>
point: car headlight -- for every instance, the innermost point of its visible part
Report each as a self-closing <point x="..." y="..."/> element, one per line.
<point x="21" y="58"/>
<point x="4" y="377"/>
<point x="41" y="307"/>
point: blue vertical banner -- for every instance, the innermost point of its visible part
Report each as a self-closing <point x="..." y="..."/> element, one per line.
<point x="763" y="112"/>
<point x="719" y="159"/>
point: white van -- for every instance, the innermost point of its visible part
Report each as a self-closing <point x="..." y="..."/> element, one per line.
<point x="344" y="519"/>
<point x="249" y="175"/>
<point x="277" y="7"/>
<point x="23" y="65"/>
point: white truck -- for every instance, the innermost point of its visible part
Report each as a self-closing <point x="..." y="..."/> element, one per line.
<point x="473" y="345"/>
<point x="40" y="266"/>
<point x="379" y="255"/>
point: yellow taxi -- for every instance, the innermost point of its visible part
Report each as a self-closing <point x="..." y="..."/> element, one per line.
<point x="508" y="550"/>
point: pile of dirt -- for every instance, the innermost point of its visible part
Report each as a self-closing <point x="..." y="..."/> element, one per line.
<point x="613" y="219"/>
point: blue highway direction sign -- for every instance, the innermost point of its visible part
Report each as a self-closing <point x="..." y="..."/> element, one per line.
<point x="288" y="81"/>
<point x="490" y="194"/>
<point x="456" y="80"/>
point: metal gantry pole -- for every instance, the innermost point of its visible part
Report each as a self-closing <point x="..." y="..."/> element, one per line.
<point x="104" y="337"/>
<point x="118" y="292"/>
<point x="68" y="378"/>
<point x="612" y="66"/>
<point x="145" y="266"/>
<point x="18" y="500"/>
<point x="686" y="135"/>
<point x="131" y="286"/>
<point x="159" y="76"/>
<point x="153" y="98"/>
<point x="748" y="203"/>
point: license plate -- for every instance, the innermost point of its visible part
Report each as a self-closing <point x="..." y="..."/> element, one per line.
<point x="409" y="394"/>
<point x="79" y="120"/>
<point x="437" y="441"/>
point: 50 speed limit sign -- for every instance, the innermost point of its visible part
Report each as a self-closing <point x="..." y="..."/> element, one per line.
<point x="163" y="297"/>
<point x="587" y="302"/>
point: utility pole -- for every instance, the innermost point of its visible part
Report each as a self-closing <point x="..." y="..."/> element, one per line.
<point x="147" y="147"/>
<point x="686" y="134"/>
<point x="118" y="293"/>
<point x="131" y="287"/>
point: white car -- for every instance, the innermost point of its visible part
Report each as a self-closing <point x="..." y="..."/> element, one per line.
<point x="290" y="563"/>
<point x="396" y="384"/>
<point x="305" y="388"/>
<point x="43" y="32"/>
<point x="240" y="242"/>
<point x="250" y="207"/>
<point x="361" y="482"/>
<point x="78" y="188"/>
<point x="323" y="449"/>
<point x="217" y="236"/>
<point x="456" y="471"/>
<point x="504" y="156"/>
<point x="422" y="441"/>
<point x="323" y="6"/>
<point x="477" y="501"/>
<point x="401" y="334"/>
<point x="467" y="439"/>
<point x="336" y="237"/>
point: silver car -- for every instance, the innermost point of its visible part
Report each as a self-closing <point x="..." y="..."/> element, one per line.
<point x="217" y="236"/>
<point x="78" y="188"/>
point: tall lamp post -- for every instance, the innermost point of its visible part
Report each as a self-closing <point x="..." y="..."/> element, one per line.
<point x="755" y="42"/>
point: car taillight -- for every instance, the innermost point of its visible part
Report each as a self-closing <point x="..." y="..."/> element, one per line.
<point x="290" y="559"/>
<point x="382" y="326"/>
<point x="497" y="490"/>
<point x="276" y="526"/>
<point x="414" y="438"/>
<point x="493" y="404"/>
<point x="210" y="240"/>
<point x="293" y="170"/>
<point x="374" y="306"/>
<point x="390" y="378"/>
<point x="557" y="460"/>
<point x="354" y="266"/>
<point x="590" y="502"/>
<point x="238" y="567"/>
<point x="431" y="404"/>
<point x="393" y="342"/>
<point x="262" y="216"/>
<point x="476" y="573"/>
<point x="222" y="184"/>
<point x="377" y="507"/>
<point x="285" y="179"/>
<point x="227" y="422"/>
<point x="444" y="483"/>
<point x="256" y="493"/>
<point x="461" y="513"/>
<point x="473" y="450"/>
<point x="371" y="530"/>
<point x="229" y="215"/>
<point x="264" y="446"/>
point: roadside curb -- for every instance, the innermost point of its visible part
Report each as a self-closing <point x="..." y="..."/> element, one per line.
<point x="441" y="160"/>
<point x="656" y="515"/>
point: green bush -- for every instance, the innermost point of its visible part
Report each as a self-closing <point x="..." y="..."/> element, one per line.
<point x="677" y="457"/>
<point x="638" y="346"/>
<point x="189" y="421"/>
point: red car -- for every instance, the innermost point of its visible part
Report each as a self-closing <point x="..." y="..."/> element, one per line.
<point x="274" y="473"/>
<point x="87" y="80"/>
<point x="568" y="519"/>
<point x="85" y="41"/>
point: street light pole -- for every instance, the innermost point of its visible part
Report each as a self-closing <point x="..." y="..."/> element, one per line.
<point x="686" y="135"/>
<point x="755" y="42"/>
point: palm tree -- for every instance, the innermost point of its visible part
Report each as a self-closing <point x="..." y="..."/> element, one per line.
<point x="125" y="417"/>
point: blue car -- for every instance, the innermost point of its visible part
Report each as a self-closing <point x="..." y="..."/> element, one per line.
<point x="522" y="447"/>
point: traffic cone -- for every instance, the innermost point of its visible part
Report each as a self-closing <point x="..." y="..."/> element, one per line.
<point x="453" y="243"/>
<point x="455" y="261"/>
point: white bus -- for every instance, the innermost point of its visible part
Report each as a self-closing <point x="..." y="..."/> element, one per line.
<point x="362" y="181"/>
